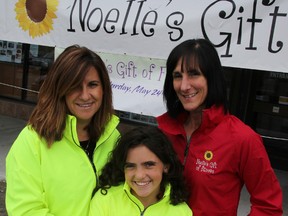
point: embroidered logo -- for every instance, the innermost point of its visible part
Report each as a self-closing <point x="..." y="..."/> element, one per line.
<point x="206" y="166"/>
<point x="208" y="155"/>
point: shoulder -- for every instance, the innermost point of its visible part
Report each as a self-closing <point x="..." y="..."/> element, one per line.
<point x="171" y="125"/>
<point x="27" y="130"/>
<point x="165" y="118"/>
<point x="111" y="126"/>
<point x="238" y="128"/>
<point x="181" y="209"/>
<point x="114" y="195"/>
<point x="113" y="192"/>
<point x="114" y="120"/>
<point x="25" y="151"/>
<point x="27" y="138"/>
<point x="242" y="136"/>
<point x="110" y="132"/>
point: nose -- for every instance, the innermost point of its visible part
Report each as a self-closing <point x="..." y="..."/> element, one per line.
<point x="84" y="93"/>
<point x="139" y="173"/>
<point x="185" y="83"/>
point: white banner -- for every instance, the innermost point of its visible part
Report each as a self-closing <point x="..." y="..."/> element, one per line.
<point x="247" y="33"/>
<point x="134" y="37"/>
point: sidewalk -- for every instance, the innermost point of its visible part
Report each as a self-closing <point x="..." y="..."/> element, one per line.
<point x="9" y="130"/>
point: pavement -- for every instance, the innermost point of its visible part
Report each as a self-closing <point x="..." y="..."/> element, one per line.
<point x="9" y="130"/>
<point x="11" y="127"/>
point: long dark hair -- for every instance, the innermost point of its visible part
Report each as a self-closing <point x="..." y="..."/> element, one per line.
<point x="202" y="53"/>
<point x="158" y="143"/>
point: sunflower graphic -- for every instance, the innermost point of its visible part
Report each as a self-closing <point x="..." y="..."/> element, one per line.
<point x="208" y="155"/>
<point x="36" y="16"/>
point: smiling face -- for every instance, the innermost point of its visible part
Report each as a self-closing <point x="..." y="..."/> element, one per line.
<point x="84" y="101"/>
<point x="190" y="86"/>
<point x="143" y="173"/>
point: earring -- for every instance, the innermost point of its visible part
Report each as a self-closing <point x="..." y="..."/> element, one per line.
<point x="165" y="169"/>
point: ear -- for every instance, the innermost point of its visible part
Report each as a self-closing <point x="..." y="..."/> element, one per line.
<point x="166" y="168"/>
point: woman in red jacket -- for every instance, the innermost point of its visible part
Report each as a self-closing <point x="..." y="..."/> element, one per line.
<point x="219" y="152"/>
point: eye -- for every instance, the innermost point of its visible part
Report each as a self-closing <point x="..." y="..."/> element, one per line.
<point x="94" y="84"/>
<point x="177" y="75"/>
<point x="129" y="165"/>
<point x="149" y="164"/>
<point x="194" y="72"/>
<point x="75" y="89"/>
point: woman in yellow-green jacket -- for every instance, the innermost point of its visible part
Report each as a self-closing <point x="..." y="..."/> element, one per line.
<point x="52" y="167"/>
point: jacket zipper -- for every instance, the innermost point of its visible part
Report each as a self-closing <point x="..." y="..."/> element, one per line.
<point x="141" y="212"/>
<point x="186" y="151"/>
<point x="92" y="164"/>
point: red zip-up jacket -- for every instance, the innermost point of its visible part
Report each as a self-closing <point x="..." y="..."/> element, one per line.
<point x="224" y="154"/>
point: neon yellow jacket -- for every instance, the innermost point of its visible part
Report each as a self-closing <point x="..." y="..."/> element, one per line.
<point x="119" y="201"/>
<point x="58" y="180"/>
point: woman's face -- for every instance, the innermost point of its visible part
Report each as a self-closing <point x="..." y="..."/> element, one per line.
<point x="190" y="87"/>
<point x="84" y="101"/>
<point x="143" y="173"/>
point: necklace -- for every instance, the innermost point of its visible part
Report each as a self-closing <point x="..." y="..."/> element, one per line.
<point x="88" y="146"/>
<point x="85" y="146"/>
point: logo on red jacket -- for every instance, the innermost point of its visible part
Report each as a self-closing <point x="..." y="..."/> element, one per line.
<point x="206" y="164"/>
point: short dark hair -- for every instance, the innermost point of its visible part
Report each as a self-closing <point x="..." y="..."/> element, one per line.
<point x="157" y="142"/>
<point x="205" y="56"/>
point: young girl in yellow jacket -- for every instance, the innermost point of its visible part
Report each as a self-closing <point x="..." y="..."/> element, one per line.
<point x="143" y="177"/>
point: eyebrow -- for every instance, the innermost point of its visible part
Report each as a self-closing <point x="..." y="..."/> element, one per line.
<point x="143" y="163"/>
<point x="98" y="81"/>
<point x="150" y="162"/>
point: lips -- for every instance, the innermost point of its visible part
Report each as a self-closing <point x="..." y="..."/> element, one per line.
<point x="85" y="105"/>
<point x="190" y="95"/>
<point x="142" y="183"/>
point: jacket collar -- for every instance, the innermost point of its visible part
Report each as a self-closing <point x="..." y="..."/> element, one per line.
<point x="127" y="189"/>
<point x="70" y="131"/>
<point x="210" y="117"/>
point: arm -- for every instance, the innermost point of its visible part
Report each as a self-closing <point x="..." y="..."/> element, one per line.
<point x="25" y="193"/>
<point x="260" y="179"/>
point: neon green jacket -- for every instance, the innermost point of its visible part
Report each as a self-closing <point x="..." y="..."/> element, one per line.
<point x="58" y="180"/>
<point x="119" y="201"/>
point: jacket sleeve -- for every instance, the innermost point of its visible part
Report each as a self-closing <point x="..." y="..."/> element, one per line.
<point x="260" y="179"/>
<point x="24" y="193"/>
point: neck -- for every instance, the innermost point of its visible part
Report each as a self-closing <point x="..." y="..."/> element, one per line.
<point x="147" y="201"/>
<point x="82" y="132"/>
<point x="193" y="122"/>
